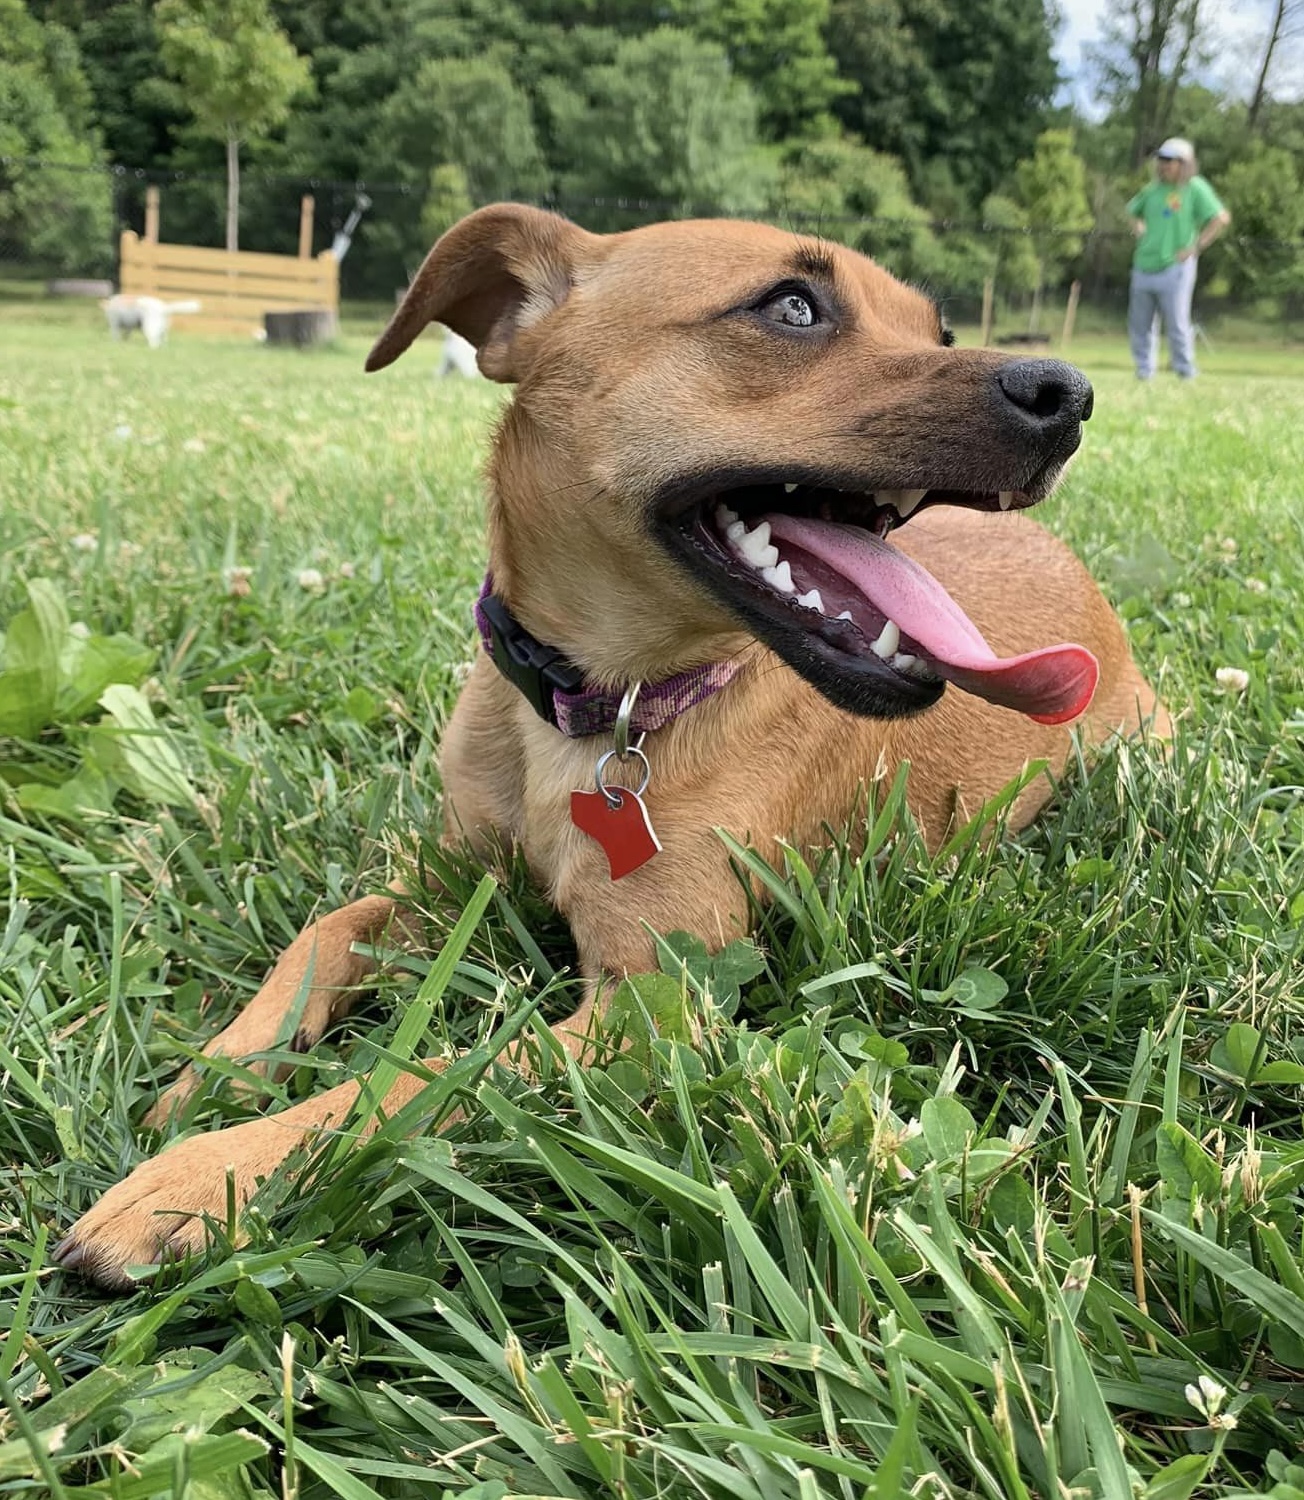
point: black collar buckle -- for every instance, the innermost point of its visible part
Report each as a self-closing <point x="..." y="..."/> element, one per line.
<point x="535" y="670"/>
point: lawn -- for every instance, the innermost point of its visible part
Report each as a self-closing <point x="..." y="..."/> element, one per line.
<point x="978" y="1176"/>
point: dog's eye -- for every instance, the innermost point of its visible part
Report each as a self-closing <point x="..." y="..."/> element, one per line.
<point x="790" y="308"/>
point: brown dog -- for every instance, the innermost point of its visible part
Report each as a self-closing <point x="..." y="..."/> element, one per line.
<point x="716" y="425"/>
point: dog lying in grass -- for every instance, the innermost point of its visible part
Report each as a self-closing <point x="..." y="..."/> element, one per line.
<point x="755" y="540"/>
<point x="151" y="315"/>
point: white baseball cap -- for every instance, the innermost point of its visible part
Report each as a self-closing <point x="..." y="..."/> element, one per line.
<point x="1175" y="148"/>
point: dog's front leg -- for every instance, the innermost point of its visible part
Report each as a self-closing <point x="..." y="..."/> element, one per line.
<point x="314" y="982"/>
<point x="160" y="1207"/>
<point x="318" y="977"/>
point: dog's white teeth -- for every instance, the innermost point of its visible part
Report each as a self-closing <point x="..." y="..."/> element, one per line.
<point x="756" y="548"/>
<point x="890" y="638"/>
<point x="1006" y="499"/>
<point x="845" y="615"/>
<point x="788" y="488"/>
<point x="901" y="501"/>
<point x="903" y="661"/>
<point x="726" y="517"/>
<point x="779" y="577"/>
<point x="750" y="548"/>
<point x="813" y="600"/>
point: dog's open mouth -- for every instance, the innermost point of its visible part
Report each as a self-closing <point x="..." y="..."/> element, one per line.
<point x="812" y="572"/>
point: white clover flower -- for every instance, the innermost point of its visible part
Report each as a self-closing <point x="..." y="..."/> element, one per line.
<point x="194" y="445"/>
<point x="1256" y="585"/>
<point x="1207" y="1396"/>
<point x="1230" y="546"/>
<point x="235" y="581"/>
<point x="122" y="431"/>
<point x="84" y="541"/>
<point x="347" y="570"/>
<point x="311" y="579"/>
<point x="1232" y="679"/>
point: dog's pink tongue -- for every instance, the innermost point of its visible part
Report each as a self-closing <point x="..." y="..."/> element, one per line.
<point x="1052" y="685"/>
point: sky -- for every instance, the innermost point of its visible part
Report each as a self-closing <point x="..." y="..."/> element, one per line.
<point x="1081" y="22"/>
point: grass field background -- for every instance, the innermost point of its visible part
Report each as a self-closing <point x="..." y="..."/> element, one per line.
<point x="953" y="1185"/>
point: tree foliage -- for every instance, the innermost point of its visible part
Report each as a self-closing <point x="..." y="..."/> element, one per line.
<point x="1263" y="259"/>
<point x="960" y="90"/>
<point x="874" y="119"/>
<point x="62" y="220"/>
<point x="1051" y="188"/>
<point x="781" y="48"/>
<point x="460" y="131"/>
<point x="666" y="121"/>
<point x="842" y="190"/>
<point x="237" y="74"/>
<point x="1147" y="50"/>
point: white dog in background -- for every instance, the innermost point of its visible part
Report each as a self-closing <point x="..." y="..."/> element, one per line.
<point x="150" y="314"/>
<point x="456" y="357"/>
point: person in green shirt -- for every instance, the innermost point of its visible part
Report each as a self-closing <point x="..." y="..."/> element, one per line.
<point x="1174" y="217"/>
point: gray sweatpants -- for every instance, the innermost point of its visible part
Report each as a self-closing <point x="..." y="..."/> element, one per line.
<point x="1162" y="294"/>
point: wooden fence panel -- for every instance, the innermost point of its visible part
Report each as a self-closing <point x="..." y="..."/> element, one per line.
<point x="235" y="288"/>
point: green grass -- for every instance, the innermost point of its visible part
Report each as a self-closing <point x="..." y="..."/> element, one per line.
<point x="949" y="1187"/>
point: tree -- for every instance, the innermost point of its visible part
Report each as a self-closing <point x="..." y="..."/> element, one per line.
<point x="1051" y="188"/>
<point x="447" y="201"/>
<point x="61" y="220"/>
<point x="666" y="121"/>
<point x="459" y="132"/>
<point x="1148" y="49"/>
<point x="466" y="112"/>
<point x="1265" y="193"/>
<point x="779" y="47"/>
<point x="237" y="73"/>
<point x="838" y="188"/>
<point x="1286" y="26"/>
<point x="120" y="51"/>
<point x="1008" y="251"/>
<point x="958" y="92"/>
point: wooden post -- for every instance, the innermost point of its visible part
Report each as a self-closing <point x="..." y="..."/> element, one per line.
<point x="1070" y="313"/>
<point x="989" y="293"/>
<point x="151" y="214"/>
<point x="305" y="226"/>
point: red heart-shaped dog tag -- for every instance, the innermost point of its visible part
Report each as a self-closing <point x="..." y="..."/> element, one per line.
<point x="619" y="822"/>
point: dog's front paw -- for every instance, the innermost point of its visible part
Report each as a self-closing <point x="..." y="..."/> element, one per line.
<point x="159" y="1209"/>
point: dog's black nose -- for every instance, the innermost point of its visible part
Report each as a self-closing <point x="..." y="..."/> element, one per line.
<point x="1051" y="395"/>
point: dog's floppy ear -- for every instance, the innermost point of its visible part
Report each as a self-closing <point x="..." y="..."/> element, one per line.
<point x="490" y="277"/>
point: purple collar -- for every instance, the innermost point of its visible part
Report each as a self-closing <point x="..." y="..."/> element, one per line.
<point x="555" y="687"/>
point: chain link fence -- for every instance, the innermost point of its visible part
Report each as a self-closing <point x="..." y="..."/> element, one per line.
<point x="61" y="223"/>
